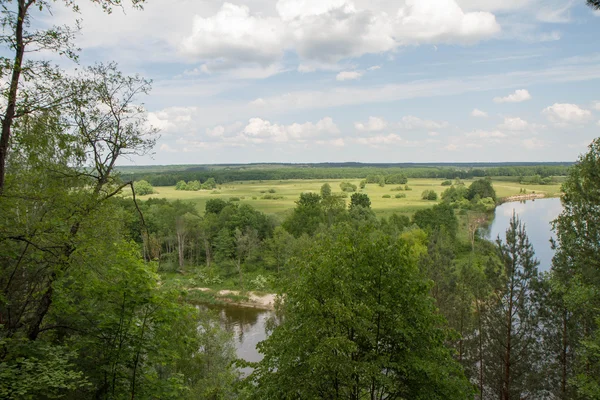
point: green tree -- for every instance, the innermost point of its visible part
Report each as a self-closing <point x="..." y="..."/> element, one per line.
<point x="209" y="184"/>
<point x="306" y="216"/>
<point x="360" y="200"/>
<point x="429" y="195"/>
<point x="514" y="370"/>
<point x="325" y="190"/>
<point x="25" y="96"/>
<point x="181" y="185"/>
<point x="436" y="218"/>
<point x="595" y="4"/>
<point x="143" y="188"/>
<point x="357" y="323"/>
<point x="482" y="188"/>
<point x="347" y="187"/>
<point x="215" y="206"/>
<point x="576" y="266"/>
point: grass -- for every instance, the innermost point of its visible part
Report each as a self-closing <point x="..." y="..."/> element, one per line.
<point x="287" y="192"/>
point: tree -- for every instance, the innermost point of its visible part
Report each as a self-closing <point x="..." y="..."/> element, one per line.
<point x="357" y="323"/>
<point x="513" y="321"/>
<point x="595" y="4"/>
<point x="143" y="188"/>
<point x="360" y="200"/>
<point x="438" y="217"/>
<point x="429" y="195"/>
<point x="347" y="187"/>
<point x="33" y="83"/>
<point x="326" y="190"/>
<point x="576" y="266"/>
<point x="245" y="243"/>
<point x="482" y="188"/>
<point x="209" y="184"/>
<point x="215" y="206"/>
<point x="307" y="216"/>
<point x="181" y="185"/>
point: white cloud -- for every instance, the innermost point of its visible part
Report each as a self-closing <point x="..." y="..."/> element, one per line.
<point x="348" y="75"/>
<point x="374" y="124"/>
<point x="596" y="105"/>
<point x="431" y="21"/>
<point x="259" y="130"/>
<point x="233" y="36"/>
<point x="339" y="142"/>
<point x="533" y="143"/>
<point x="567" y="114"/>
<point x="556" y="14"/>
<point x="412" y="122"/>
<point x="374" y="68"/>
<point x="483" y="134"/>
<point x="326" y="31"/>
<point x="514" y="124"/>
<point x="478" y="113"/>
<point x="379" y="140"/>
<point x="516" y="97"/>
<point x="173" y="119"/>
<point x="167" y="149"/>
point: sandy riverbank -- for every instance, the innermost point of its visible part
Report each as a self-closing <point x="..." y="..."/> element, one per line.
<point x="254" y="300"/>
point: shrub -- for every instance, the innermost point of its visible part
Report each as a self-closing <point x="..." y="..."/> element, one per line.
<point x="272" y="190"/>
<point x="234" y="199"/>
<point x="406" y="187"/>
<point x="400" y="196"/>
<point x="429" y="195"/>
<point x="447" y="183"/>
<point x="143" y="188"/>
<point x="398" y="189"/>
<point x="347" y="187"/>
<point x="386" y="196"/>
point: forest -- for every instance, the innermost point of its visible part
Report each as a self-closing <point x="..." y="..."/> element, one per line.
<point x="95" y="299"/>
<point x="225" y="174"/>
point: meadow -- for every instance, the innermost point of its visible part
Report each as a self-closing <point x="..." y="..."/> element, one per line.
<point x="288" y="191"/>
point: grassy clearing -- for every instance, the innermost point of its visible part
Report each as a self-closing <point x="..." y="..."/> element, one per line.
<point x="250" y="192"/>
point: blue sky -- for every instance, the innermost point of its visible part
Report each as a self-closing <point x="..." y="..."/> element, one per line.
<point x="368" y="81"/>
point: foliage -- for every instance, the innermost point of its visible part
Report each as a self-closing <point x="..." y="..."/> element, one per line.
<point x="142" y="188"/>
<point x="482" y="188"/>
<point x="357" y="322"/>
<point x="360" y="200"/>
<point x="347" y="187"/>
<point x="447" y="183"/>
<point x="576" y="265"/>
<point x="429" y="195"/>
<point x="439" y="217"/>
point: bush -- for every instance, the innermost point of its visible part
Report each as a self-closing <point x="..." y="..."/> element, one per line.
<point x="143" y="188"/>
<point x="272" y="197"/>
<point x="400" y="196"/>
<point x="386" y="196"/>
<point x="406" y="187"/>
<point x="272" y="190"/>
<point x="347" y="187"/>
<point x="447" y="183"/>
<point x="234" y="199"/>
<point x="215" y="192"/>
<point x="398" y="189"/>
<point x="429" y="195"/>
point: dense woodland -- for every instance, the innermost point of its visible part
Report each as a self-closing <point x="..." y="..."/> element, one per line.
<point x="393" y="308"/>
<point x="525" y="173"/>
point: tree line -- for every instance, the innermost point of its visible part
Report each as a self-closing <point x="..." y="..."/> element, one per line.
<point x="389" y="175"/>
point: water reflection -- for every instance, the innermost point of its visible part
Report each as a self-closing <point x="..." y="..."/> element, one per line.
<point x="248" y="327"/>
<point x="537" y="215"/>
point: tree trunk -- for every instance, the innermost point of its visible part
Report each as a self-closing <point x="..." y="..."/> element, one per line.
<point x="9" y="116"/>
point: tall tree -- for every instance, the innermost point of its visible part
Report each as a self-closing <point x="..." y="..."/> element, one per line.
<point x="576" y="264"/>
<point x="32" y="84"/>
<point x="513" y="320"/>
<point x="358" y="323"/>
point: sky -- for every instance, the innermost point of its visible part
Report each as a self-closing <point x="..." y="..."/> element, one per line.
<point x="366" y="80"/>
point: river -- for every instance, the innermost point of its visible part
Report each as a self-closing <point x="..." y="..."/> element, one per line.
<point x="537" y="215"/>
<point x="248" y="326"/>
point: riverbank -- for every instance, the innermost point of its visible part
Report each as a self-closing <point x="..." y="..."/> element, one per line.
<point x="258" y="300"/>
<point x="529" y="196"/>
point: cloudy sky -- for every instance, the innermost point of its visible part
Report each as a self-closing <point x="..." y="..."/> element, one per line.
<point x="358" y="80"/>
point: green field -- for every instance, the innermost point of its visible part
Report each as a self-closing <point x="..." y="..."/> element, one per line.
<point x="250" y="192"/>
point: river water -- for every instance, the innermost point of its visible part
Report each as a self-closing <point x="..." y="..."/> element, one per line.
<point x="248" y="326"/>
<point x="537" y="215"/>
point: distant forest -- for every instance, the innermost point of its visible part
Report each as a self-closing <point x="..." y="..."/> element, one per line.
<point x="170" y="175"/>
